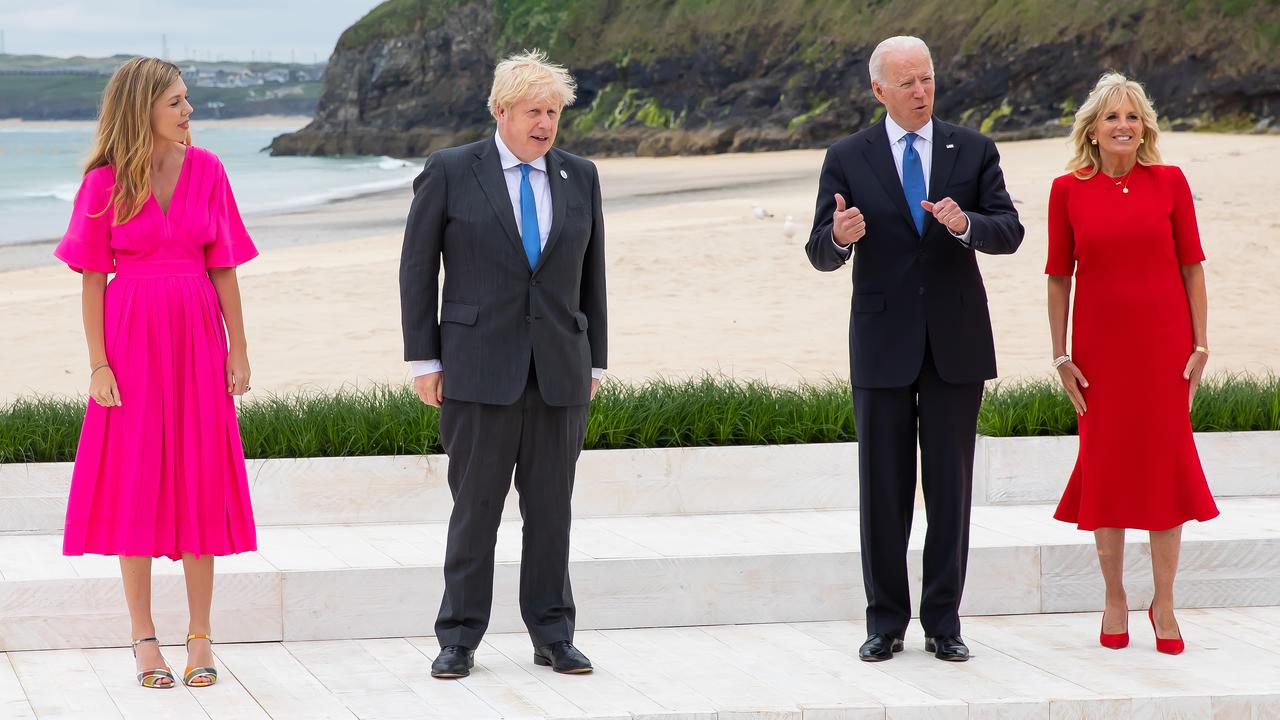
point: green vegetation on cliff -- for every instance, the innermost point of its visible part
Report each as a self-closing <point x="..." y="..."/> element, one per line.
<point x="590" y="32"/>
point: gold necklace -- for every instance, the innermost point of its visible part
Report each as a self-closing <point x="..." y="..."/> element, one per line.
<point x="1124" y="180"/>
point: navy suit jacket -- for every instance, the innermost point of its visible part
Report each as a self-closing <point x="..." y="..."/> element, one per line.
<point x="496" y="315"/>
<point x="907" y="286"/>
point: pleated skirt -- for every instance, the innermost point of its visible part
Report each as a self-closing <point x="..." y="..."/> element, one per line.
<point x="163" y="473"/>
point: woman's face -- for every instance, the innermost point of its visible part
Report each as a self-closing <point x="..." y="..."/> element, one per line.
<point x="170" y="114"/>
<point x="1119" y="129"/>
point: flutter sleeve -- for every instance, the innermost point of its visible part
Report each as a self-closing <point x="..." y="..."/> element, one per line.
<point x="1062" y="245"/>
<point x="1186" y="233"/>
<point x="231" y="244"/>
<point x="87" y="243"/>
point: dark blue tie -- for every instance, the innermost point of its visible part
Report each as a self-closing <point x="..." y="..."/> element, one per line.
<point x="913" y="181"/>
<point x="530" y="236"/>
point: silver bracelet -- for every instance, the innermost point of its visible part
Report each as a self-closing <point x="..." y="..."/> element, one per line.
<point x="1060" y="361"/>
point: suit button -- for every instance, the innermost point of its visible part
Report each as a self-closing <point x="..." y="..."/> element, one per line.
<point x="533" y="282"/>
<point x="528" y="318"/>
<point x="921" y="290"/>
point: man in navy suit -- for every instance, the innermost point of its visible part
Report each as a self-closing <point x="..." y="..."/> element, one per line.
<point x="910" y="201"/>
<point x="511" y="350"/>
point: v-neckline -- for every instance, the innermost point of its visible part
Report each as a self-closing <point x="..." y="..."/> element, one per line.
<point x="182" y="170"/>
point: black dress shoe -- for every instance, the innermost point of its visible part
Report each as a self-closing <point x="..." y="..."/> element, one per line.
<point x="562" y="657"/>
<point x="879" y="647"/>
<point x="951" y="649"/>
<point x="454" y="661"/>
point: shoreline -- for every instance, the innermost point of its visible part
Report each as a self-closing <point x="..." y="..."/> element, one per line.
<point x="291" y="121"/>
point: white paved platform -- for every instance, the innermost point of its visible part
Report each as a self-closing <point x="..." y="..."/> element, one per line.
<point x="1036" y="666"/>
<point x="326" y="582"/>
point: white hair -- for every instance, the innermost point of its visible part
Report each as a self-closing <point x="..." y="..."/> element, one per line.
<point x="897" y="42"/>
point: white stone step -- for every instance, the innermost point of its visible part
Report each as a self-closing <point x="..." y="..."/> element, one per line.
<point x="384" y="580"/>
<point x="1013" y="471"/>
<point x="408" y="489"/>
<point x="414" y="488"/>
<point x="1031" y="667"/>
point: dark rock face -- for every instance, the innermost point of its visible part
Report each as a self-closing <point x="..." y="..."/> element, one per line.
<point x="427" y="89"/>
<point x="407" y="95"/>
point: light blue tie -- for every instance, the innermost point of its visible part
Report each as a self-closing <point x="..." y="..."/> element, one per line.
<point x="530" y="235"/>
<point x="913" y="181"/>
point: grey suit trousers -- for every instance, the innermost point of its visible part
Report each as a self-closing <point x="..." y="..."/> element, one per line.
<point x="484" y="443"/>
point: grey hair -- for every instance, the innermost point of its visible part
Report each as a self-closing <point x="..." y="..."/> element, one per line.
<point x="897" y="42"/>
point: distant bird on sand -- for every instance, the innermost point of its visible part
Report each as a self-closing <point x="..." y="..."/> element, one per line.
<point x="761" y="213"/>
<point x="788" y="227"/>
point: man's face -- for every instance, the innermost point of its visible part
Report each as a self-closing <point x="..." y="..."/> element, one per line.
<point x="907" y="88"/>
<point x="529" y="126"/>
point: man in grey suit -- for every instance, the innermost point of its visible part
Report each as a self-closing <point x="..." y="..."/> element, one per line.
<point x="514" y="352"/>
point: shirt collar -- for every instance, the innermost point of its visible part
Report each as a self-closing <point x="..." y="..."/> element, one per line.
<point x="509" y="159"/>
<point x="896" y="132"/>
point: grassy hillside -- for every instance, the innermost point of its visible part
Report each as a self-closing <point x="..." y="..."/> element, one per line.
<point x="1242" y="34"/>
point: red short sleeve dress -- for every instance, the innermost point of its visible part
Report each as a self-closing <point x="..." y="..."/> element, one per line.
<point x="163" y="473"/>
<point x="1131" y="336"/>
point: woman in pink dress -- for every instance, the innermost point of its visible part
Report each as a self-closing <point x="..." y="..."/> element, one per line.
<point x="160" y="468"/>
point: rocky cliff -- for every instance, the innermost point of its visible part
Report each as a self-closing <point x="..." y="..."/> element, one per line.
<point x="663" y="77"/>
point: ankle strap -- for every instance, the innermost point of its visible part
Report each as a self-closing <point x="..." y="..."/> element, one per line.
<point x="137" y="642"/>
<point x="198" y="636"/>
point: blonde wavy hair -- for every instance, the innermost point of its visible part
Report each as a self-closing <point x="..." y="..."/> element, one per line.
<point x="530" y="74"/>
<point x="124" y="140"/>
<point x="1111" y="90"/>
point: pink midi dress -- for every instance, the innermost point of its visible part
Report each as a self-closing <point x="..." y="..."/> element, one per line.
<point x="163" y="473"/>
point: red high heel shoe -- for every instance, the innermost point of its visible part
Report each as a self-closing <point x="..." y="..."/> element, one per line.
<point x="1115" y="641"/>
<point x="1168" y="647"/>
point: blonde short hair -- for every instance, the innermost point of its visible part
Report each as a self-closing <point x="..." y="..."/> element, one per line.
<point x="530" y="75"/>
<point x="1111" y="90"/>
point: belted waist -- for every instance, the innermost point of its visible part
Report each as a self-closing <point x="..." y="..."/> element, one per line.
<point x="160" y="268"/>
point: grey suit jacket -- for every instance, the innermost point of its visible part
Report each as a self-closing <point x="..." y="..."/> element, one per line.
<point x="497" y="315"/>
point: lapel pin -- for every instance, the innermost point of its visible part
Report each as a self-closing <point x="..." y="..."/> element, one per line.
<point x="951" y="147"/>
<point x="564" y="175"/>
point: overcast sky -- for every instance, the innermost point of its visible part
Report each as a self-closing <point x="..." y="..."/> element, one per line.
<point x="194" y="29"/>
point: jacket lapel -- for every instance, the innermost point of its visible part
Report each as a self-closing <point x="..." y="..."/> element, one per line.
<point x="880" y="160"/>
<point x="488" y="170"/>
<point x="945" y="152"/>
<point x="559" y="189"/>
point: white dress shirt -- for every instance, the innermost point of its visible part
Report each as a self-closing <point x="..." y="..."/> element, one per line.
<point x="541" y="197"/>
<point x="924" y="147"/>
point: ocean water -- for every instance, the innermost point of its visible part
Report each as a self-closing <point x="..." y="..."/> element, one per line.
<point x="41" y="167"/>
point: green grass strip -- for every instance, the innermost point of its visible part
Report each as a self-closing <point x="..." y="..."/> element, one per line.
<point x="706" y="411"/>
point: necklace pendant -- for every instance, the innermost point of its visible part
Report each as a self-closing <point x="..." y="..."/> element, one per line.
<point x="1126" y="191"/>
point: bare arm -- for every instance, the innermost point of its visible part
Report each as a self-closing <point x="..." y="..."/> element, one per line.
<point x="1059" y="313"/>
<point x="102" y="381"/>
<point x="1198" y="299"/>
<point x="228" y="288"/>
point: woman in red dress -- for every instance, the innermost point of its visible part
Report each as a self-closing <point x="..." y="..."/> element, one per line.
<point x="1124" y="225"/>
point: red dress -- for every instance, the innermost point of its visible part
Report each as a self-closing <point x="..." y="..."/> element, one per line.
<point x="1131" y="337"/>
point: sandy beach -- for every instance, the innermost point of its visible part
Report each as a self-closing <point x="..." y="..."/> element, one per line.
<point x="696" y="282"/>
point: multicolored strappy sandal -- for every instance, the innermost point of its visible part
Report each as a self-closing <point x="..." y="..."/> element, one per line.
<point x="153" y="678"/>
<point x="199" y="676"/>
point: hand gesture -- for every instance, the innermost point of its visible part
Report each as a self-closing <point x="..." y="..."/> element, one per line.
<point x="847" y="225"/>
<point x="947" y="212"/>
<point x="1193" y="373"/>
<point x="430" y="388"/>
<point x="103" y="388"/>
<point x="1073" y="382"/>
